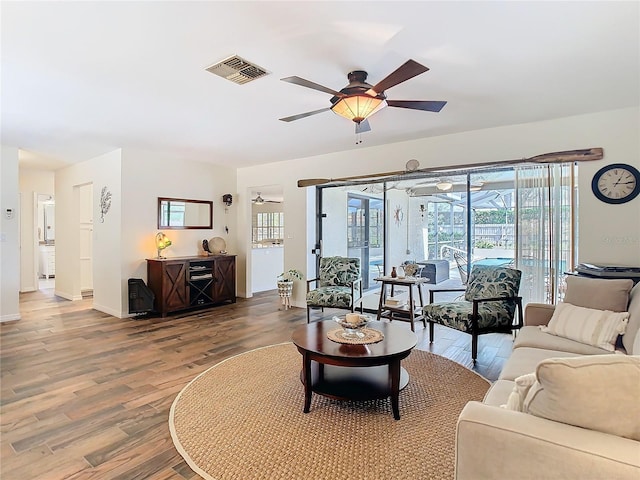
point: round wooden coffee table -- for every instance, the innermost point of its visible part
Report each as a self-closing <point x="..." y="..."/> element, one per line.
<point x="336" y="370"/>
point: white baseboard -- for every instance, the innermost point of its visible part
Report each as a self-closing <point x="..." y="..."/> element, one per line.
<point x="67" y="296"/>
<point x="10" y="318"/>
<point x="107" y="310"/>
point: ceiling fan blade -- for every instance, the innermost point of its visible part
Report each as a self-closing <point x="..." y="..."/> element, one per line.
<point x="581" y="155"/>
<point x="427" y="105"/>
<point x="408" y="70"/>
<point x="363" y="126"/>
<point x="302" y="115"/>
<point x="309" y="84"/>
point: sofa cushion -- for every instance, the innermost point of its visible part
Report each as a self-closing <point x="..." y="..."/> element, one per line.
<point x="536" y="338"/>
<point x="599" y="328"/>
<point x="333" y="296"/>
<point x="631" y="334"/>
<point x="458" y="314"/>
<point x="499" y="393"/>
<point x="598" y="392"/>
<point x="598" y="293"/>
<point x="525" y="360"/>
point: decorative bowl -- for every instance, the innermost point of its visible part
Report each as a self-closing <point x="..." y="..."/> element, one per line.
<point x="352" y="328"/>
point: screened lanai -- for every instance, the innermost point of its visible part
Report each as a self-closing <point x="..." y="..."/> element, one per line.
<point x="517" y="216"/>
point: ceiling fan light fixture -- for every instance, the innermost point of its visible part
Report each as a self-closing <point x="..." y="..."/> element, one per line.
<point x="444" y="185"/>
<point x="358" y="107"/>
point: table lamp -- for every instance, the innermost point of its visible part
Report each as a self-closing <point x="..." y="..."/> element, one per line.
<point x="162" y="242"/>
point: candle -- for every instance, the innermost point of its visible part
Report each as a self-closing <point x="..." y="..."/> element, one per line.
<point x="353" y="318"/>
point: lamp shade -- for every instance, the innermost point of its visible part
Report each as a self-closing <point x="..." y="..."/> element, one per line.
<point x="358" y="107"/>
<point x="162" y="242"/>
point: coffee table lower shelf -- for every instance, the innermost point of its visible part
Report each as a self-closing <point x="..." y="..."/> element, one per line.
<point x="353" y="383"/>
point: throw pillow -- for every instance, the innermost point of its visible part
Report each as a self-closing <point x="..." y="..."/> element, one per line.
<point x="519" y="393"/>
<point x="598" y="392"/>
<point x="598" y="293"/>
<point x="599" y="328"/>
<point x="631" y="337"/>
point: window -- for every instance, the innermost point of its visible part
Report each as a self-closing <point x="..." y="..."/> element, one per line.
<point x="173" y="213"/>
<point x="268" y="226"/>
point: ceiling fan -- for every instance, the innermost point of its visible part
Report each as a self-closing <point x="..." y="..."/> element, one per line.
<point x="261" y="201"/>
<point x="359" y="100"/>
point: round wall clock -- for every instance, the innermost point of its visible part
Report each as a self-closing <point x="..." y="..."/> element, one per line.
<point x="616" y="183"/>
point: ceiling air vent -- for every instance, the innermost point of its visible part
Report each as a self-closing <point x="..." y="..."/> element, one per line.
<point x="237" y="69"/>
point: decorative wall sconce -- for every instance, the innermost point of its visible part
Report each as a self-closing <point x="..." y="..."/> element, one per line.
<point x="162" y="242"/>
<point x="227" y="198"/>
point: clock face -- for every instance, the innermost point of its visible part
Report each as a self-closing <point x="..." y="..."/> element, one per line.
<point x="616" y="183"/>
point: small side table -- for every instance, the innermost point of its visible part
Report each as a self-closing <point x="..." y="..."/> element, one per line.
<point x="408" y="313"/>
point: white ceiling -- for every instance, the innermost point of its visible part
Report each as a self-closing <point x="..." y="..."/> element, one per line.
<point x="82" y="78"/>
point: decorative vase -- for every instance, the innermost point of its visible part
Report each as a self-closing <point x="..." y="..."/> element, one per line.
<point x="285" y="288"/>
<point x="394" y="273"/>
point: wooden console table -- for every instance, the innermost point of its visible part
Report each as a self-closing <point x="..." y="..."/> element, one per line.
<point x="409" y="312"/>
<point x="180" y="283"/>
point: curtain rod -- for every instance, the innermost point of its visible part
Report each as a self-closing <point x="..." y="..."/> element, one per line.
<point x="583" y="155"/>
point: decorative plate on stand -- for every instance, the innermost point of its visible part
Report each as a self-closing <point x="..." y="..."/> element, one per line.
<point x="217" y="245"/>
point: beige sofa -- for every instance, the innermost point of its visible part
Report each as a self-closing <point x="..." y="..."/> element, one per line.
<point x="494" y="442"/>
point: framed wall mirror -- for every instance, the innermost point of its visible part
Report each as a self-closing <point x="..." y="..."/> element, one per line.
<point x="181" y="213"/>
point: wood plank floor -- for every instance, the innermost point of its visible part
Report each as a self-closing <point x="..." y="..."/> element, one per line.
<point x="87" y="396"/>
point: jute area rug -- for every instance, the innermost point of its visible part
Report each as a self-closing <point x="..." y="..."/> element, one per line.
<point x="242" y="419"/>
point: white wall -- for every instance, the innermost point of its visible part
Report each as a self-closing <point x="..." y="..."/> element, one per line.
<point x="267" y="264"/>
<point x="100" y="171"/>
<point x="147" y="176"/>
<point x="334" y="205"/>
<point x="31" y="182"/>
<point x="607" y="233"/>
<point x="127" y="237"/>
<point x="396" y="240"/>
<point x="9" y="235"/>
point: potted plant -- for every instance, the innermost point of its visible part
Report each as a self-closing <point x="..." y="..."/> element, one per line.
<point x="285" y="285"/>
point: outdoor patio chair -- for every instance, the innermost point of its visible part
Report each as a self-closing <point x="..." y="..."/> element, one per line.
<point x="461" y="262"/>
<point x="339" y="285"/>
<point x="489" y="305"/>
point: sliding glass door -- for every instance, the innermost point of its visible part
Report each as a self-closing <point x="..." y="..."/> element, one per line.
<point x="521" y="217"/>
<point x="365" y="235"/>
<point x="352" y="225"/>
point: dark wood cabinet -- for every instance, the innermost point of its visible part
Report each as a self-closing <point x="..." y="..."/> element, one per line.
<point x="190" y="282"/>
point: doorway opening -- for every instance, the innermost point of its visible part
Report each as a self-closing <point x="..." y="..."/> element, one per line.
<point x="45" y="241"/>
<point x="85" y="228"/>
<point x="267" y="236"/>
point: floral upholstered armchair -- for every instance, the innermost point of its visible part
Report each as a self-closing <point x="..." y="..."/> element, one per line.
<point x="339" y="285"/>
<point x="489" y="305"/>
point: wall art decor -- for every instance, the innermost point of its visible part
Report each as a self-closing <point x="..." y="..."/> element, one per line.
<point x="398" y="215"/>
<point x="105" y="203"/>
